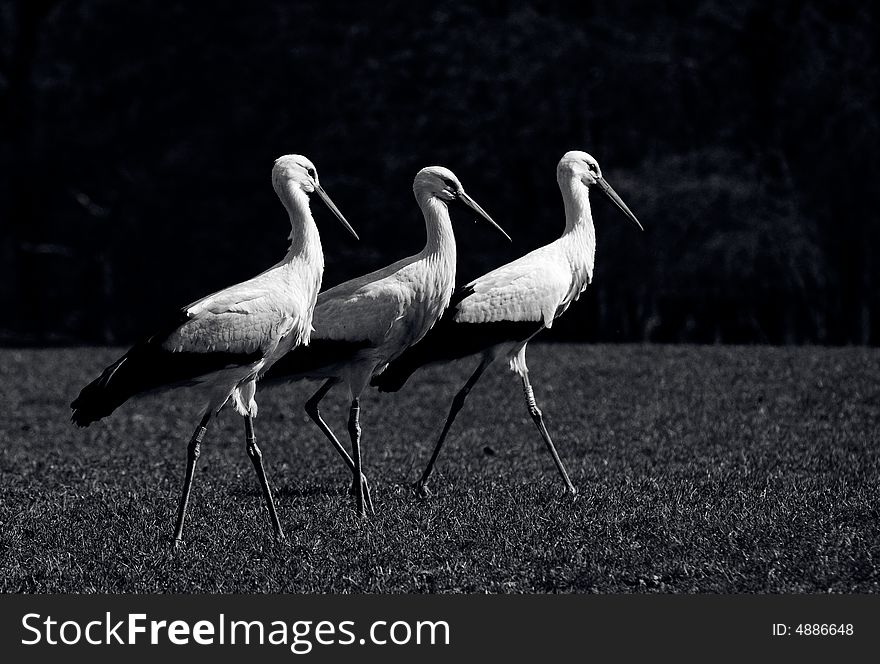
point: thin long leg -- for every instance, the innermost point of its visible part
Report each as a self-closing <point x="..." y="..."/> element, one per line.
<point x="354" y="430"/>
<point x="193" y="451"/>
<point x="314" y="412"/>
<point x="257" y="458"/>
<point x="457" y="403"/>
<point x="538" y="418"/>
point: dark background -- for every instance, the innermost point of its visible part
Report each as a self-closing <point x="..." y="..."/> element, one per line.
<point x="137" y="139"/>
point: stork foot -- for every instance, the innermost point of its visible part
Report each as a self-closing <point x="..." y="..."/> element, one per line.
<point x="353" y="487"/>
<point x="361" y="510"/>
<point x="421" y="490"/>
<point x="368" y="499"/>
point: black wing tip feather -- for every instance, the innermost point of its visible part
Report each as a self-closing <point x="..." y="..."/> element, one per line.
<point x="95" y="400"/>
<point x="79" y="408"/>
<point x="83" y="416"/>
<point x="144" y="368"/>
<point x="81" y="419"/>
<point x="430" y="349"/>
<point x="315" y="355"/>
<point x="103" y="395"/>
<point x="447" y="341"/>
<point x="391" y="379"/>
<point x="434" y="347"/>
<point x="459" y="296"/>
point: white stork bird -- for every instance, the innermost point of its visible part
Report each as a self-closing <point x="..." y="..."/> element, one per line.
<point x="220" y="343"/>
<point x="497" y="314"/>
<point x="362" y="324"/>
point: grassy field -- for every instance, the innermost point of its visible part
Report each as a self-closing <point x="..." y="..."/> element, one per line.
<point x="700" y="469"/>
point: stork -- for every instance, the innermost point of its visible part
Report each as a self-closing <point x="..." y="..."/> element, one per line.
<point x="362" y="324"/>
<point x="218" y="345"/>
<point x="496" y="315"/>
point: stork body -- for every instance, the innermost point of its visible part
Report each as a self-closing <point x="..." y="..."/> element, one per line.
<point x="496" y="315"/>
<point x="362" y="324"/>
<point x="216" y="346"/>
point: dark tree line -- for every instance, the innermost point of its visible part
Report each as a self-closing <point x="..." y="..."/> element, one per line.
<point x="136" y="141"/>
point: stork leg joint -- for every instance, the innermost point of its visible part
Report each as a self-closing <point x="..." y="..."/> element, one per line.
<point x="358" y="480"/>
<point x="354" y="425"/>
<point x="421" y="488"/>
<point x="312" y="409"/>
<point x="253" y="450"/>
<point x="538" y="418"/>
<point x="256" y="457"/>
<point x="195" y="445"/>
<point x="193" y="452"/>
<point x="458" y="401"/>
<point x="534" y="411"/>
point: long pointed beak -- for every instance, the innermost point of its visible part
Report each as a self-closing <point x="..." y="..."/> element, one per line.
<point x="334" y="210"/>
<point x="605" y="187"/>
<point x="473" y="205"/>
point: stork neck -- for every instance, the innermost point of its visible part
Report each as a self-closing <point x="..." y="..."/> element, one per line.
<point x="438" y="227"/>
<point x="579" y="238"/>
<point x="576" y="198"/>
<point x="305" y="242"/>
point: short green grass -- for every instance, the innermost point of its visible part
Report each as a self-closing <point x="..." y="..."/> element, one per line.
<point x="700" y="469"/>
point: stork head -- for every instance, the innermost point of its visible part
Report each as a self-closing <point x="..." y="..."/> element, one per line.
<point x="295" y="170"/>
<point x="441" y="184"/>
<point x="582" y="167"/>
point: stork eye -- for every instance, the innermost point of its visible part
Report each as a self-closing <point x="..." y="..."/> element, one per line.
<point x="312" y="173"/>
<point x="450" y="185"/>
